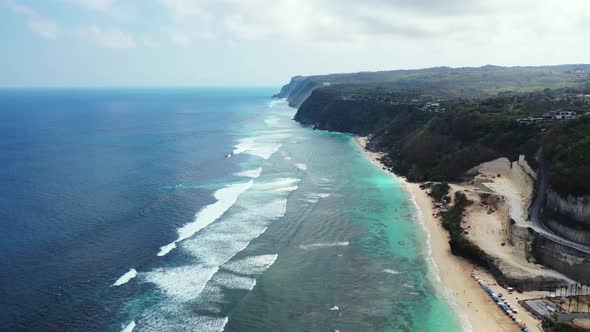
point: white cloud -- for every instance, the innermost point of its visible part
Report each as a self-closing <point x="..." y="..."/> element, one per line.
<point x="189" y="21"/>
<point x="108" y="38"/>
<point x="35" y="22"/>
<point x="42" y="27"/>
<point x="180" y="38"/>
<point x="113" y="8"/>
<point x="376" y="22"/>
<point x="148" y="42"/>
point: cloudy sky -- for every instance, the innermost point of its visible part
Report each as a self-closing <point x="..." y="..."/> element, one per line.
<point x="265" y="42"/>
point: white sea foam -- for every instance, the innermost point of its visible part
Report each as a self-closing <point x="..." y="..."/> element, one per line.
<point x="277" y="102"/>
<point x="251" y="265"/>
<point x="288" y="158"/>
<point x="262" y="146"/>
<point x="302" y="167"/>
<point x="230" y="280"/>
<point x="214" y="324"/>
<point x="182" y="283"/>
<point x="324" y="245"/>
<point x="211" y="324"/>
<point x="212" y="268"/>
<point x="287" y="189"/>
<point x="132" y="273"/>
<point x="277" y="184"/>
<point x="315" y="197"/>
<point x="213" y="248"/>
<point x="252" y="173"/>
<point x="272" y="121"/>
<point x="129" y="327"/>
<point x="175" y="318"/>
<point x="226" y="198"/>
<point x="164" y="250"/>
<point x="390" y="271"/>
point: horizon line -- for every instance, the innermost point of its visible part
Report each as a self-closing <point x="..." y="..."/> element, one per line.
<point x="31" y="87"/>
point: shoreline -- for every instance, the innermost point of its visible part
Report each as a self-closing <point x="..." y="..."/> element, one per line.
<point x="474" y="308"/>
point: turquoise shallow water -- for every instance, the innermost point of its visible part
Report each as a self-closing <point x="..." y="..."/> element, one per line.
<point x="200" y="210"/>
<point x="358" y="247"/>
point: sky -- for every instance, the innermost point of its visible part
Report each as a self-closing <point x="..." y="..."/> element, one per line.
<point x="78" y="43"/>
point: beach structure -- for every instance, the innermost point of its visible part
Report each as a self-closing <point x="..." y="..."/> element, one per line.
<point x="503" y="303"/>
<point x="562" y="305"/>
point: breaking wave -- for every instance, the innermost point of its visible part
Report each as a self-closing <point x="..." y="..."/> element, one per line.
<point x="251" y="265"/>
<point x="129" y="327"/>
<point x="226" y="197"/>
<point x="132" y="273"/>
<point x="211" y="266"/>
<point x="324" y="245"/>
<point x="302" y="167"/>
<point x="272" y="121"/>
<point x="262" y="146"/>
<point x="252" y="173"/>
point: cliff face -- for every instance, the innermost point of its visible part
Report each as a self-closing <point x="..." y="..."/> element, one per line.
<point x="288" y="88"/>
<point x="326" y="109"/>
<point x="435" y="124"/>
<point x="420" y="145"/>
<point x="575" y="208"/>
<point x="568" y="216"/>
<point x="298" y="90"/>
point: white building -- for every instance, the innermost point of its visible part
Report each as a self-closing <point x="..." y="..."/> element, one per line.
<point x="560" y="115"/>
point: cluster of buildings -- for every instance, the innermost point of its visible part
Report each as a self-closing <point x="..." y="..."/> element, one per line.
<point x="552" y="115"/>
<point x="434" y="107"/>
<point x="573" y="98"/>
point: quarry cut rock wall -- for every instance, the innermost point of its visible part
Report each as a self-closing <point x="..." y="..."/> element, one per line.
<point x="575" y="208"/>
<point x="569" y="261"/>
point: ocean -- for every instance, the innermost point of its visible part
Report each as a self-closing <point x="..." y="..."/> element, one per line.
<point x="204" y="209"/>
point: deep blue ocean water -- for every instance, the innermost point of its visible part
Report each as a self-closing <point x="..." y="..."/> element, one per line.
<point x="199" y="209"/>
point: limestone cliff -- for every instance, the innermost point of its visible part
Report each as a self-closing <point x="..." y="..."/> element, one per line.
<point x="575" y="208"/>
<point x="299" y="89"/>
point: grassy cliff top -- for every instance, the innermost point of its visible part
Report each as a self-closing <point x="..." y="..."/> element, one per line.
<point x="468" y="82"/>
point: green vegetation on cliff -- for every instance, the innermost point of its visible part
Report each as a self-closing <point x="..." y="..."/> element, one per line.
<point x="467" y="82"/>
<point x="568" y="146"/>
<point x="436" y="124"/>
<point x="451" y="143"/>
<point x="461" y="246"/>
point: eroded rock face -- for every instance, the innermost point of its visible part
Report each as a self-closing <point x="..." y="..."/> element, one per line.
<point x="575" y="208"/>
<point x="569" y="261"/>
<point x="524" y="177"/>
<point x="507" y="276"/>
